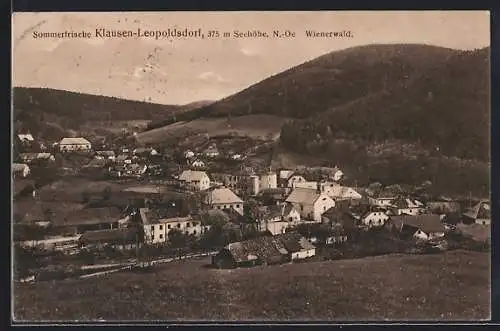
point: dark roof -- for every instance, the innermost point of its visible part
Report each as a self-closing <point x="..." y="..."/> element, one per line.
<point x="268" y="248"/>
<point x="110" y="236"/>
<point x="481" y="210"/>
<point x="428" y="223"/>
<point x="477" y="232"/>
<point x="22" y="184"/>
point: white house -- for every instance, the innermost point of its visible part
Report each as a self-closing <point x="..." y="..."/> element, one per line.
<point x="422" y="227"/>
<point x="479" y="214"/>
<point x="74" y="144"/>
<point x="268" y="180"/>
<point x="407" y="206"/>
<point x="105" y="155"/>
<point x="198" y="164"/>
<point x="156" y="231"/>
<point x="337" y="174"/>
<point x="212" y="152"/>
<point x="294" y="179"/>
<point x="383" y="199"/>
<point x="188" y="154"/>
<point x="310" y="203"/>
<point x="374" y="219"/>
<point x="223" y="198"/>
<point x="198" y="180"/>
<point x="339" y="192"/>
<point x="20" y="170"/>
<point x="25" y="138"/>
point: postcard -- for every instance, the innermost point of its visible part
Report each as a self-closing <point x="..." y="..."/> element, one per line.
<point x="251" y="166"/>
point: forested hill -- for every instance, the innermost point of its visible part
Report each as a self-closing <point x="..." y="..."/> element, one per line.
<point x="444" y="109"/>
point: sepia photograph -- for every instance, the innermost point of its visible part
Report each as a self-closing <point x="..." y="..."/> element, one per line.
<point x="252" y="166"/>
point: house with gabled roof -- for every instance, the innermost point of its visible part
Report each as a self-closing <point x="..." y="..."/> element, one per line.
<point x="264" y="250"/>
<point x="311" y="204"/>
<point x="159" y="222"/>
<point x="20" y="170"/>
<point x="25" y="137"/>
<point x="197" y="180"/>
<point x="383" y="198"/>
<point x="223" y="198"/>
<point x="74" y="144"/>
<point x="407" y="206"/>
<point x="479" y="214"/>
<point x="423" y="227"/>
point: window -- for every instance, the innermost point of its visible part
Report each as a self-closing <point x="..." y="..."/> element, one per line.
<point x="168" y="226"/>
<point x="238" y="206"/>
<point x="188" y="225"/>
<point x="152" y="227"/>
<point x="178" y="225"/>
<point x="152" y="237"/>
<point x="161" y="227"/>
<point x="194" y="232"/>
<point x="161" y="236"/>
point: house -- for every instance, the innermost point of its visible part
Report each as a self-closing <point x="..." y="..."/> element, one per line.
<point x="74" y="144"/>
<point x="477" y="232"/>
<point x="276" y="219"/>
<point x="24" y="187"/>
<point x="339" y="192"/>
<point x="197" y="164"/>
<point x="25" y="138"/>
<point x="197" y="180"/>
<point x="30" y="158"/>
<point x="224" y="198"/>
<point x="265" y="250"/>
<point x="188" y="154"/>
<point x="374" y="218"/>
<point x="268" y="180"/>
<point x="135" y="169"/>
<point x="311" y="204"/>
<point x="407" y="206"/>
<point x="107" y="155"/>
<point x="479" y="214"/>
<point x="123" y="159"/>
<point x="145" y="151"/>
<point x="283" y="176"/>
<point x="422" y="227"/>
<point x="158" y="225"/>
<point x="211" y="152"/>
<point x="294" y="179"/>
<point x="383" y="199"/>
<point x="20" y="170"/>
<point x="336" y="174"/>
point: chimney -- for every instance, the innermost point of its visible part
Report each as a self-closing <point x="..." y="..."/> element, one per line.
<point x="318" y="187"/>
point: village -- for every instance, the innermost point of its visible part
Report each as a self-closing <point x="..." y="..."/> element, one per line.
<point x="106" y="203"/>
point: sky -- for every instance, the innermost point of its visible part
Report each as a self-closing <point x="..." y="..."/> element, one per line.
<point x="180" y="71"/>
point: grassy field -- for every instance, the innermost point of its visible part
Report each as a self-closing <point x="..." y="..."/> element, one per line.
<point x="253" y="126"/>
<point x="449" y="286"/>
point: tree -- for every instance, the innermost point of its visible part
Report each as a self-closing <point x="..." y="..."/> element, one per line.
<point x="177" y="239"/>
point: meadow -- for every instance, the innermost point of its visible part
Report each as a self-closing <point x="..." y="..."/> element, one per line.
<point x="452" y="286"/>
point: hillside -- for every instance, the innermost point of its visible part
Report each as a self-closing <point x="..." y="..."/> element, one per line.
<point x="411" y="92"/>
<point x="50" y="113"/>
<point x="418" y="287"/>
<point x="444" y="109"/>
<point x="331" y="80"/>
